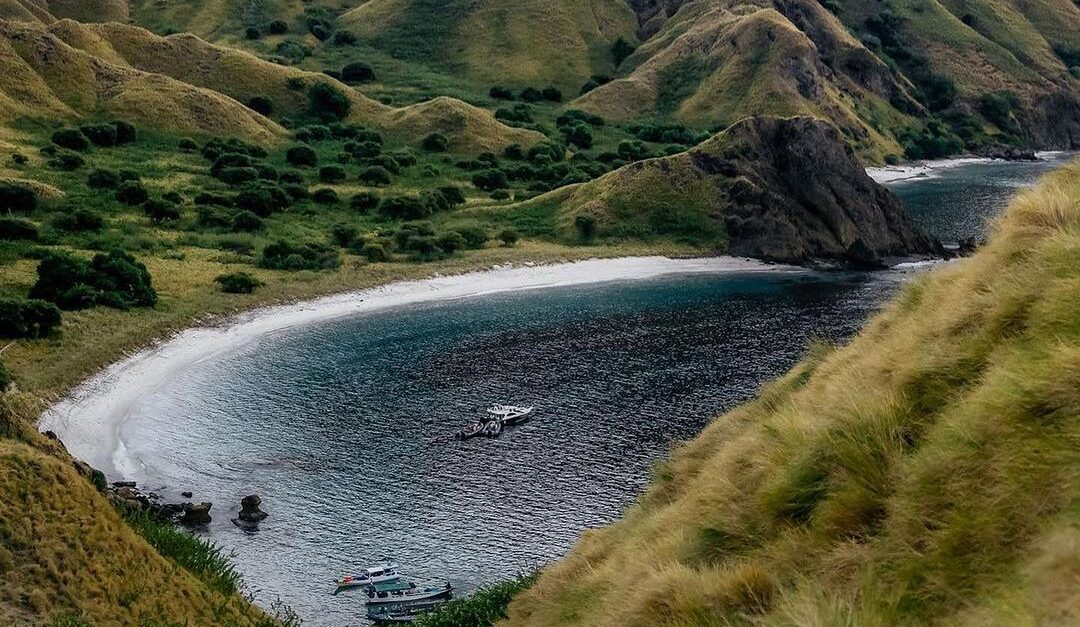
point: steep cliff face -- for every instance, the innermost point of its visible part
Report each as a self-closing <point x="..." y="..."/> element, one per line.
<point x="782" y="189"/>
<point x="925" y="474"/>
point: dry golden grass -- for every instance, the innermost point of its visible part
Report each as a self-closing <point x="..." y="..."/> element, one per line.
<point x="926" y="474"/>
<point x="63" y="549"/>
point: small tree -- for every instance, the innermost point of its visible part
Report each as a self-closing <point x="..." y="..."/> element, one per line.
<point x="344" y="38"/>
<point x="375" y="176"/>
<point x="374" y="252"/>
<point x="501" y="93"/>
<point x="326" y="102"/>
<point x="364" y="202"/>
<point x="552" y="93"/>
<point x="325" y="196"/>
<point x="509" y="237"/>
<point x="343" y="234"/>
<point x="71" y="138"/>
<point x="238" y="283"/>
<point x="12" y="229"/>
<point x="277" y="27"/>
<point x="436" y="142"/>
<point x="450" y="242"/>
<point x="531" y="94"/>
<point x="160" y="211"/>
<point x="332" y="174"/>
<point x="103" y="135"/>
<point x="103" y="179"/>
<point x="489" y="180"/>
<point x="246" y="222"/>
<point x="252" y="33"/>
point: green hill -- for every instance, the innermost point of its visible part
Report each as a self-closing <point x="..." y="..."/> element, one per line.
<point x="506" y="42"/>
<point x="927" y="473"/>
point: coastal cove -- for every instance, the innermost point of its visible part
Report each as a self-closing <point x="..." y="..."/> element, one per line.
<point x="337" y="410"/>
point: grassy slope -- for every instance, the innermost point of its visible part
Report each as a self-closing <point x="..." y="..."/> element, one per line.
<point x="65" y="551"/>
<point x="513" y="42"/>
<point x="927" y="473"/>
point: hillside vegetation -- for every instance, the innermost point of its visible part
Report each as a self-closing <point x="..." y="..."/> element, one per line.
<point x="927" y="473"/>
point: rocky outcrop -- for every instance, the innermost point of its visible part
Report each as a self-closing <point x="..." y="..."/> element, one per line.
<point x="780" y="189"/>
<point x="196" y="514"/>
<point x="797" y="193"/>
<point x="250" y="514"/>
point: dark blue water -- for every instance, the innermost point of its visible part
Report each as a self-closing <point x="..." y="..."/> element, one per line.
<point x="345" y="427"/>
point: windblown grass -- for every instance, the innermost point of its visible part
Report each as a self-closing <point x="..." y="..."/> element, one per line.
<point x="199" y="556"/>
<point x="482" y="608"/>
<point x="926" y="474"/>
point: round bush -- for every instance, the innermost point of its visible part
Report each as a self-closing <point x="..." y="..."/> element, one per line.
<point x="552" y="94"/>
<point x="252" y="33"/>
<point x="375" y="176"/>
<point x="71" y="138"/>
<point x="188" y="145"/>
<point x="408" y="207"/>
<point x="490" y="180"/>
<point x="160" y="211"/>
<point x="12" y="229"/>
<point x="67" y="161"/>
<point x="78" y="221"/>
<point x="246" y="222"/>
<point x="277" y="27"/>
<point x="345" y="38"/>
<point x="332" y="174"/>
<point x="357" y="73"/>
<point x="509" y="237"/>
<point x="302" y="156"/>
<point x="125" y="132"/>
<point x="364" y="202"/>
<point x="343" y="234"/>
<point x="103" y="135"/>
<point x="131" y="193"/>
<point x="475" y="237"/>
<point x="436" y="142"/>
<point x="238" y="283"/>
<point x="501" y="93"/>
<point x="325" y="196"/>
<point x="261" y="105"/>
<point x="327" y="103"/>
<point x="450" y="242"/>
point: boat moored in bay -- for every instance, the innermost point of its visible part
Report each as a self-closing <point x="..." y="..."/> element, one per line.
<point x="499" y="416"/>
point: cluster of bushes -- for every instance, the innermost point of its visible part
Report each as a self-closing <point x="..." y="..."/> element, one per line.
<point x="114" y="279"/>
<point x="543" y="167"/>
<point x="16" y="198"/>
<point x="104" y="135"/>
<point x="930" y="141"/>
<point x="998" y="108"/>
<point x="15" y="229"/>
<point x="357" y="73"/>
<point x="668" y="134"/>
<point x="238" y="283"/>
<point x="516" y="115"/>
<point x="529" y="94"/>
<point x="27" y="318"/>
<point x="594" y="81"/>
<point x="620" y="50"/>
<point x="577" y="127"/>
<point x="418" y="240"/>
<point x="415" y="206"/>
<point x="287" y="255"/>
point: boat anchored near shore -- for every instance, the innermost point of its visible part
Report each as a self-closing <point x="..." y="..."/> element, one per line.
<point x="499" y="416"/>
<point x="379" y="573"/>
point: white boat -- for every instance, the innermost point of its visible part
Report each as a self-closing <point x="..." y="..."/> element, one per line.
<point x="404" y="591"/>
<point x="498" y="417"/>
<point x="380" y="573"/>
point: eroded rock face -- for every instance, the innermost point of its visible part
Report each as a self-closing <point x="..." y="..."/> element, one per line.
<point x="797" y="193"/>
<point x="249" y="509"/>
<point x="196" y="514"/>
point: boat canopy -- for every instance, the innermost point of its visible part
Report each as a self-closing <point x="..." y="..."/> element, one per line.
<point x="393" y="586"/>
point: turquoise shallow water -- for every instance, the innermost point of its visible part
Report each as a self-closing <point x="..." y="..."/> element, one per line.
<point x="345" y="427"/>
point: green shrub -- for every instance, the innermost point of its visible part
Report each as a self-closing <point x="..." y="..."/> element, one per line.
<point x="436" y="142"/>
<point x="531" y="94"/>
<point x="325" y="196"/>
<point x="252" y="33"/>
<point x="364" y="202"/>
<point x="475" y="237"/>
<point x="292" y="52"/>
<point x="364" y="149"/>
<point x="125" y="132"/>
<point x="131" y="193"/>
<point x="66" y="161"/>
<point x="489" y="180"/>
<point x="579" y="134"/>
<point x="501" y="93"/>
<point x="374" y="252"/>
<point x="27" y="318"/>
<point x="236" y="176"/>
<point x="343" y="234"/>
<point x="261" y="105"/>
<point x="291" y="176"/>
<point x="13" y="229"/>
<point x="114" y="279"/>
<point x="327" y="103"/>
<point x="200" y="557"/>
<point x="302" y="156"/>
<point x="450" y="242"/>
<point x="5" y="378"/>
<point x="78" y="220"/>
<point x="160" y="211"/>
<point x="332" y="174"/>
<point x="103" y="135"/>
<point x="552" y="94"/>
<point x="998" y="107"/>
<point x="404" y="207"/>
<point x="262" y="200"/>
<point x="500" y="194"/>
<point x="509" y="237"/>
<point x="286" y="255"/>
<point x="246" y="222"/>
<point x="277" y="27"/>
<point x="375" y="176"/>
<point x="103" y="179"/>
<point x="357" y="73"/>
<point x="72" y="139"/>
<point x="345" y="38"/>
<point x="238" y="283"/>
<point x="482" y="608"/>
<point x="519" y="113"/>
<point x="514" y="151"/>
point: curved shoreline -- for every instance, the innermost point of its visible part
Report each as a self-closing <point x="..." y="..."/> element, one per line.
<point x="919" y="170"/>
<point x="89" y="418"/>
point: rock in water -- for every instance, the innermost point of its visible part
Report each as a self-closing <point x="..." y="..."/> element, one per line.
<point x="249" y="509"/>
<point x="196" y="514"/>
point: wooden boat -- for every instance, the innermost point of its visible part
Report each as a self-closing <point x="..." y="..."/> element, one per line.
<point x="390" y="614"/>
<point x="499" y="416"/>
<point x="386" y="571"/>
<point x="404" y="591"/>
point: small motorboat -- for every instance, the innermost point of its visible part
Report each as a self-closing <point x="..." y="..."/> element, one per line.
<point x="402" y="612"/>
<point x="380" y="573"/>
<point x="404" y="591"/>
<point x="499" y="416"/>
